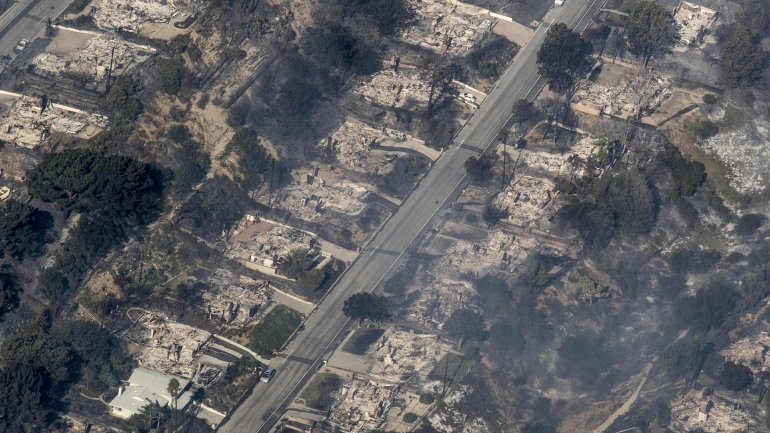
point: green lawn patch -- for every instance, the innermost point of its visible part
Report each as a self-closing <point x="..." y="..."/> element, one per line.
<point x="361" y="340"/>
<point x="272" y="332"/>
<point x="318" y="394"/>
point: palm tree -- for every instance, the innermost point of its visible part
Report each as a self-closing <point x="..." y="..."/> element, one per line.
<point x="150" y="414"/>
<point x="173" y="390"/>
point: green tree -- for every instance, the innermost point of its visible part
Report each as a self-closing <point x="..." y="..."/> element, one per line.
<point x="88" y="242"/>
<point x="37" y="369"/>
<point x="112" y="187"/>
<point x="40" y="362"/>
<point x="688" y="175"/>
<point x="23" y="398"/>
<point x="480" y="169"/>
<point x="311" y="280"/>
<point x="54" y="286"/>
<point x="150" y="418"/>
<point x="101" y="355"/>
<point x="173" y="389"/>
<point x="755" y="17"/>
<point x="254" y="162"/>
<point x="650" y="30"/>
<point x="9" y="294"/>
<point x="561" y="56"/>
<point x="296" y="264"/>
<point x="116" y="135"/>
<point x="427" y="398"/>
<point x="170" y="73"/>
<point x="629" y="195"/>
<point x="594" y="221"/>
<point x="735" y="376"/>
<point x="50" y="29"/>
<point x="22" y="229"/>
<point x="742" y="58"/>
<point x="192" y="171"/>
<point x="122" y="96"/>
<point x="465" y="324"/>
<point x="367" y="306"/>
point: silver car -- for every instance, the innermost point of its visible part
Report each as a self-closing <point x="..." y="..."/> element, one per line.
<point x="468" y="97"/>
<point x="267" y="375"/>
<point x="22" y="44"/>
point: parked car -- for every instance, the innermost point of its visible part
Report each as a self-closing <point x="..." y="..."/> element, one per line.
<point x="468" y="97"/>
<point x="267" y="375"/>
<point x="22" y="44"/>
<point x="558" y="2"/>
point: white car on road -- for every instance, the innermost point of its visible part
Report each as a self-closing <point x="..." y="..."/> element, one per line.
<point x="467" y="97"/>
<point x="558" y="2"/>
<point x="22" y="44"/>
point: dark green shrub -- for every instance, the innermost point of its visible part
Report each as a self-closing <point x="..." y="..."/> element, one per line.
<point x="735" y="376"/>
<point x="427" y="398"/>
<point x="170" y="72"/>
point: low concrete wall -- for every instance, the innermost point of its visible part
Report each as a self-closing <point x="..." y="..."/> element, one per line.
<point x="242" y="347"/>
<point x="501" y="17"/>
<point x="481" y="11"/>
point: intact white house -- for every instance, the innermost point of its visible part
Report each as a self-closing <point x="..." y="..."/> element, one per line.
<point x="147" y="386"/>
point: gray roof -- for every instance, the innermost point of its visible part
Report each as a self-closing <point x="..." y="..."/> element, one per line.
<point x="151" y="378"/>
<point x="147" y="386"/>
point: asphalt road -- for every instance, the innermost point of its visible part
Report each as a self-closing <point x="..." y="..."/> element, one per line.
<point x="25" y="20"/>
<point x="439" y="188"/>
